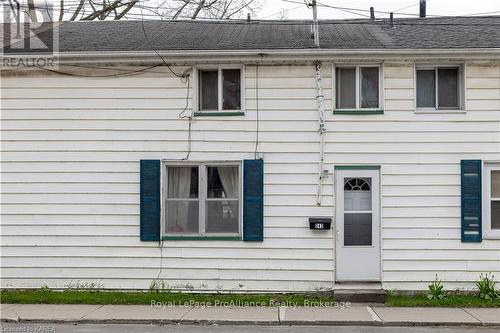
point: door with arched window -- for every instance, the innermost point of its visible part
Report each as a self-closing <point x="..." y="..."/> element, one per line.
<point x="357" y="225"/>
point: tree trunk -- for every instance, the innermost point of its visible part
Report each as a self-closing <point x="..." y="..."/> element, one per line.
<point x="31" y="11"/>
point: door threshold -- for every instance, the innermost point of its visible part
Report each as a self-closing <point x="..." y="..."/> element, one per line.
<point x="366" y="285"/>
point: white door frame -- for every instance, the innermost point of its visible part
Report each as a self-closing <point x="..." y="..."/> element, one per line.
<point x="368" y="255"/>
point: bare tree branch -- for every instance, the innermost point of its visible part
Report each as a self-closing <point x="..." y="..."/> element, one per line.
<point x="126" y="10"/>
<point x="88" y="10"/>
<point x="61" y="10"/>
<point x="181" y="8"/>
<point x="77" y="11"/>
<point x="104" y="10"/>
<point x="198" y="9"/>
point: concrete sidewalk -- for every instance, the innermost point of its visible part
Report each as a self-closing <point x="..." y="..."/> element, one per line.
<point x="356" y="314"/>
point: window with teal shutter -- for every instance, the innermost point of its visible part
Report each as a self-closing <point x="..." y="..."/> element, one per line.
<point x="253" y="200"/>
<point x="150" y="200"/>
<point x="471" y="200"/>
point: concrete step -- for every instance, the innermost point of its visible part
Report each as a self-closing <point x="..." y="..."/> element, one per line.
<point x="360" y="295"/>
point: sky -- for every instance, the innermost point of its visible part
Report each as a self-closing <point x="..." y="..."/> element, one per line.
<point x="296" y="9"/>
<point x="271" y="8"/>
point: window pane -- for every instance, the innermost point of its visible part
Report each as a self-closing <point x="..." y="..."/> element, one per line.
<point x="346" y="88"/>
<point x="208" y="94"/>
<point x="495" y="215"/>
<point x="357" y="194"/>
<point x="182" y="182"/>
<point x="495" y="184"/>
<point x="231" y="89"/>
<point x="369" y="87"/>
<point x="222" y="182"/>
<point x="222" y="216"/>
<point x="448" y="88"/>
<point x="357" y="229"/>
<point x="357" y="200"/>
<point x="182" y="217"/>
<point x="426" y="88"/>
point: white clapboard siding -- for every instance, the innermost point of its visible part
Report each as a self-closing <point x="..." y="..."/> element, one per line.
<point x="70" y="179"/>
<point x="246" y="285"/>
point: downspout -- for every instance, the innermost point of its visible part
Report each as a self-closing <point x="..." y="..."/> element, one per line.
<point x="321" y="130"/>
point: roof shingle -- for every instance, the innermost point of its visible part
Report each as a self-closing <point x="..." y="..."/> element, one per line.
<point x="416" y="33"/>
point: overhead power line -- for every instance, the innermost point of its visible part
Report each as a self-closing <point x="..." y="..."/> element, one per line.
<point x="355" y="10"/>
<point x="406" y="7"/>
<point x="352" y="9"/>
<point x="286" y="9"/>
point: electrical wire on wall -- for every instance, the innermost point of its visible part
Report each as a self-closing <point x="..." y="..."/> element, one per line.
<point x="183" y="115"/>
<point x="256" y="110"/>
<point x="321" y="130"/>
<point x="184" y="77"/>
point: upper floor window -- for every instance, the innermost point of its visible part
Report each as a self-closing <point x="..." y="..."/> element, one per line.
<point x="357" y="87"/>
<point x="439" y="88"/>
<point x="219" y="89"/>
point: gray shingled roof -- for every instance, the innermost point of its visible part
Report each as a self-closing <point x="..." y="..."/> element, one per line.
<point x="416" y="33"/>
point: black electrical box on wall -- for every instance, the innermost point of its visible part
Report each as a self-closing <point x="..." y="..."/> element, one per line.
<point x="320" y="223"/>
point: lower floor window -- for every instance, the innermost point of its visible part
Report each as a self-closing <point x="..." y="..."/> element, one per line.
<point x="492" y="196"/>
<point x="202" y="199"/>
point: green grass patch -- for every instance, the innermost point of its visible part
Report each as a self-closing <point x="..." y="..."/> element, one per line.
<point x="468" y="301"/>
<point x="172" y="298"/>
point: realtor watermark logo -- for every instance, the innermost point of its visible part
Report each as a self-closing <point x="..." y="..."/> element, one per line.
<point x="28" y="328"/>
<point x="30" y="38"/>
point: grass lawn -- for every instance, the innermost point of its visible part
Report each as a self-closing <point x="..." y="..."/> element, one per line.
<point x="104" y="297"/>
<point x="468" y="301"/>
<point x="177" y="298"/>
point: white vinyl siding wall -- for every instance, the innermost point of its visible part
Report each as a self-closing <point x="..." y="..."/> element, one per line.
<point x="70" y="180"/>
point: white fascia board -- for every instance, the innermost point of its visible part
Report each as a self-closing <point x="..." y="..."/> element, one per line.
<point x="290" y="55"/>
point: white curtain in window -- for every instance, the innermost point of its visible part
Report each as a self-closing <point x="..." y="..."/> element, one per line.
<point x="229" y="179"/>
<point x="179" y="183"/>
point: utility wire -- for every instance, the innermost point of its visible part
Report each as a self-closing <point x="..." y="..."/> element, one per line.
<point x="256" y="109"/>
<point x="406" y="7"/>
<point x="185" y="79"/>
<point x="183" y="76"/>
<point x="350" y="12"/>
<point x="485" y="13"/>
<point x="383" y="12"/>
<point x="126" y="73"/>
<point x="277" y="13"/>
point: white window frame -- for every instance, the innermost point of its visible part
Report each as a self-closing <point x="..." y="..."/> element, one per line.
<point x="202" y="197"/>
<point x="219" y="68"/>
<point x="488" y="232"/>
<point x="461" y="88"/>
<point x="357" y="66"/>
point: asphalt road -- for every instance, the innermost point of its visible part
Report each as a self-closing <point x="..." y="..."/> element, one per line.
<point x="125" y="328"/>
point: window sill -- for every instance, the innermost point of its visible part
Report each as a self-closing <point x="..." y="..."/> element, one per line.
<point x="358" y="111"/>
<point x="219" y="113"/>
<point x="435" y="111"/>
<point x="491" y="235"/>
<point x="213" y="238"/>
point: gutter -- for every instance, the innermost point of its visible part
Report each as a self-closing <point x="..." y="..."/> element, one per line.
<point x="294" y="55"/>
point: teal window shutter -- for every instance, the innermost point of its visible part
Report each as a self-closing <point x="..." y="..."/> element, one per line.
<point x="150" y="200"/>
<point x="253" y="200"/>
<point x="471" y="200"/>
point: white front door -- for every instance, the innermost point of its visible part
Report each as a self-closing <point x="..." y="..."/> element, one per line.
<point x="357" y="216"/>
